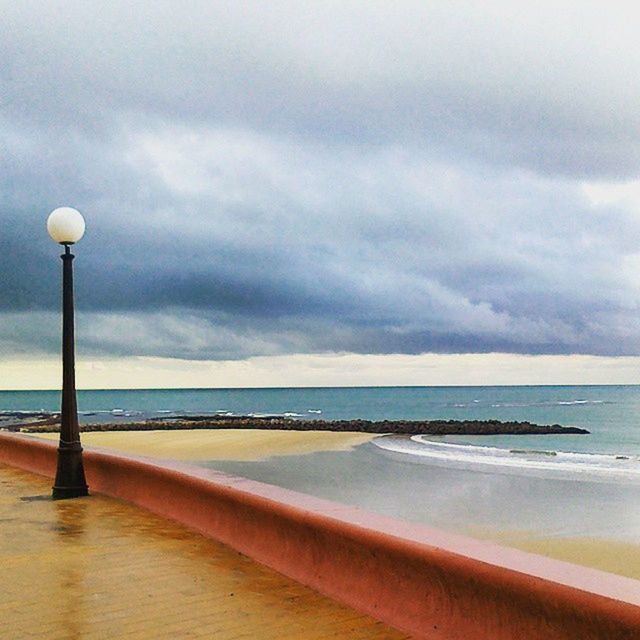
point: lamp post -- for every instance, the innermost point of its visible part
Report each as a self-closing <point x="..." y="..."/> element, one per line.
<point x="66" y="226"/>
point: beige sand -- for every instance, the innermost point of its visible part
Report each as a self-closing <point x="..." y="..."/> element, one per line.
<point x="227" y="444"/>
<point x="613" y="556"/>
<point x="253" y="444"/>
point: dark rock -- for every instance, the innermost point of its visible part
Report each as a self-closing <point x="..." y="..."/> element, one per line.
<point x="400" y="427"/>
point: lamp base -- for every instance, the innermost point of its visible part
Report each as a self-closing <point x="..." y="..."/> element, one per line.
<point x="64" y="493"/>
<point x="70" y="481"/>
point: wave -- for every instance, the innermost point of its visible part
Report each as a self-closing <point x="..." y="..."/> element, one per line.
<point x="549" y="403"/>
<point x="542" y="403"/>
<point x="119" y="412"/>
<point x="125" y="413"/>
<point x="516" y="459"/>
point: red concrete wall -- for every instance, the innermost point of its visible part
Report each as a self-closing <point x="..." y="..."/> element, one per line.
<point x="424" y="581"/>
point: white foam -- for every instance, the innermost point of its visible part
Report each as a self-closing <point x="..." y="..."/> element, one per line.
<point x="612" y="465"/>
<point x="545" y="403"/>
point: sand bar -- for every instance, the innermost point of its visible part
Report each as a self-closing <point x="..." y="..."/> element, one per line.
<point x="613" y="556"/>
<point x="228" y="444"/>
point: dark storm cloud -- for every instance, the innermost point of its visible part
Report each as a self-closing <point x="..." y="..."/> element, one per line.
<point x="322" y="177"/>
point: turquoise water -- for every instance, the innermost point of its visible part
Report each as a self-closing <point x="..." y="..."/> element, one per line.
<point x="556" y="485"/>
<point x="611" y="413"/>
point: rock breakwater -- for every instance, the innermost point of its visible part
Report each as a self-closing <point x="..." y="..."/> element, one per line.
<point x="399" y="427"/>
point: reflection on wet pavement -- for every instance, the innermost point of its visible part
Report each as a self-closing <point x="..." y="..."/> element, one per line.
<point x="100" y="568"/>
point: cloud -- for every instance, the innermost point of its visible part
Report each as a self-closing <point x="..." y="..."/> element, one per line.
<point x="323" y="177"/>
<point x="547" y="87"/>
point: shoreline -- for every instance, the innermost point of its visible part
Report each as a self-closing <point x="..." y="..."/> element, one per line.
<point x="247" y="446"/>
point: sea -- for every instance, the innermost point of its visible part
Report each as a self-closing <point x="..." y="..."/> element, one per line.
<point x="611" y="413"/>
<point x="564" y="485"/>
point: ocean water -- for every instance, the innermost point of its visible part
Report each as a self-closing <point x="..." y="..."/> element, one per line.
<point x="611" y="413"/>
<point x="561" y="485"/>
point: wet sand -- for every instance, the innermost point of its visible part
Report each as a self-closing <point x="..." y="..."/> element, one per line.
<point x="469" y="503"/>
<point x="614" y="556"/>
<point x="228" y="444"/>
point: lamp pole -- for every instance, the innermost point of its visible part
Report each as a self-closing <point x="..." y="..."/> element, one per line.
<point x="66" y="226"/>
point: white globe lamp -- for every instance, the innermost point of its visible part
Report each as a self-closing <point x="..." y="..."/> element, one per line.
<point x="65" y="225"/>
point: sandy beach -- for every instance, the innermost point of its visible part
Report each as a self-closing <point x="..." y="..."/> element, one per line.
<point x="614" y="556"/>
<point x="246" y="446"/>
<point x="229" y="444"/>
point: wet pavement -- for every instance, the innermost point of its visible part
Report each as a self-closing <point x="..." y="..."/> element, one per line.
<point x="100" y="568"/>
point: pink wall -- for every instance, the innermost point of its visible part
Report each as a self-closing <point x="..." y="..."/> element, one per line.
<point x="427" y="582"/>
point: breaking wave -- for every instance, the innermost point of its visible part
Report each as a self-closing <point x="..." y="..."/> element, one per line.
<point x="621" y="466"/>
<point x="542" y="403"/>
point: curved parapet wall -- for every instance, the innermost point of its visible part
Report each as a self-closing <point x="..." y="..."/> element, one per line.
<point x="424" y="581"/>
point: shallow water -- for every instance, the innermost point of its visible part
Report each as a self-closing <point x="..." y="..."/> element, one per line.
<point x="468" y="500"/>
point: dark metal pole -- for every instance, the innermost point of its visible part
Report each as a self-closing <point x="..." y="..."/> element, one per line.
<point x="70" y="481"/>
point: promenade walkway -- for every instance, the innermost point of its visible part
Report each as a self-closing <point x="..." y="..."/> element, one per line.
<point x="100" y="568"/>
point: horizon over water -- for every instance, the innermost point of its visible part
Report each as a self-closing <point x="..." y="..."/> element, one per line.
<point x="610" y="412"/>
<point x="562" y="485"/>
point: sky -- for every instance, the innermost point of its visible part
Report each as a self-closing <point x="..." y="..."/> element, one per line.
<point x="329" y="192"/>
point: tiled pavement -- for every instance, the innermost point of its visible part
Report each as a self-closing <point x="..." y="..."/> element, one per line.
<point x="100" y="568"/>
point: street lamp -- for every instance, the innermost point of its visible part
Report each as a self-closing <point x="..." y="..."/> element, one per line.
<point x="66" y="226"/>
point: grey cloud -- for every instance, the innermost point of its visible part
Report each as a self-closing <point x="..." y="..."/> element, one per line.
<point x="374" y="181"/>
<point x="496" y="81"/>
